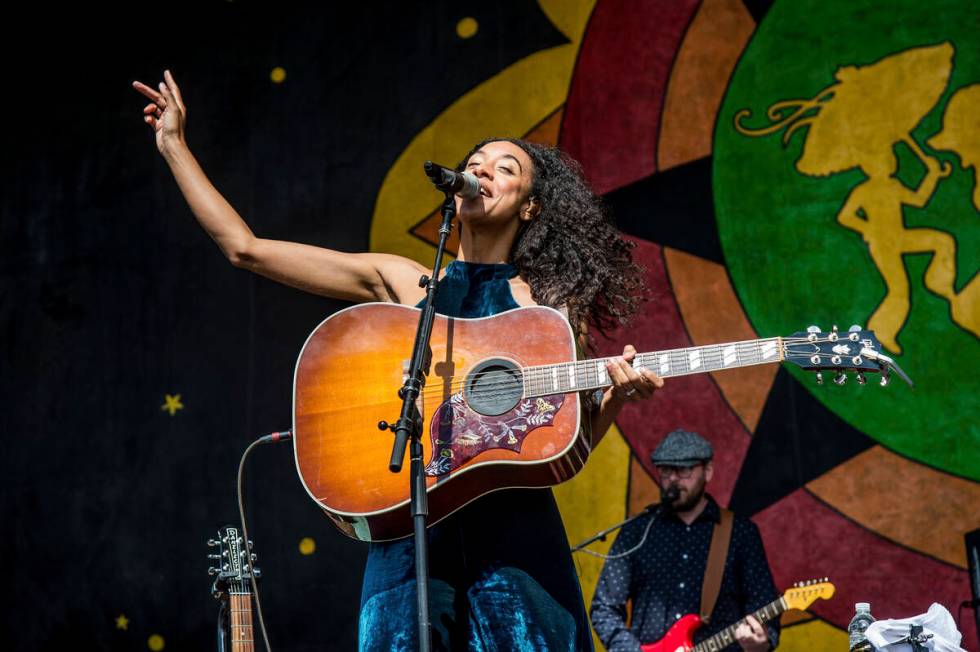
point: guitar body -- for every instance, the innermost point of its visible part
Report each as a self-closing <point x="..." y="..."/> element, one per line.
<point x="679" y="638"/>
<point x="479" y="433"/>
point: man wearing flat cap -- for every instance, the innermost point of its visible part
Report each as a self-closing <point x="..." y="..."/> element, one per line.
<point x="660" y="563"/>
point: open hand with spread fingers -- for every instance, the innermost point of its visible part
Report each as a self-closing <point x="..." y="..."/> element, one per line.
<point x="165" y="112"/>
<point x="631" y="383"/>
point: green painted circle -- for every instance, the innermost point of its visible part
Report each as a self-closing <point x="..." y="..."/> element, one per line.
<point x="793" y="265"/>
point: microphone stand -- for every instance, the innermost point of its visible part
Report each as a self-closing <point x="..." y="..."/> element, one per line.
<point x="654" y="509"/>
<point x="409" y="424"/>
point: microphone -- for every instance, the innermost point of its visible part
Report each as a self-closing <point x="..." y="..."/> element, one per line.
<point x="666" y="501"/>
<point x="463" y="184"/>
<point x="668" y="497"/>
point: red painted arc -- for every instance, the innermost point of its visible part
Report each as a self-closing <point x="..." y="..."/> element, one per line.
<point x="612" y="116"/>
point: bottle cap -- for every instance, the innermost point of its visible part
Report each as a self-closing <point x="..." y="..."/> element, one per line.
<point x="862" y="606"/>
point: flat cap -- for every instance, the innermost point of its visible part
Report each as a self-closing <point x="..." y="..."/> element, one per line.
<point x="682" y="448"/>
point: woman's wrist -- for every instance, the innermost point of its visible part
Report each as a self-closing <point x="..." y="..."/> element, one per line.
<point x="173" y="147"/>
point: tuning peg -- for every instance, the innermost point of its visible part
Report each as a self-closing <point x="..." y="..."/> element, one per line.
<point x="252" y="557"/>
<point x="840" y="378"/>
<point x="257" y="573"/>
<point x="853" y="333"/>
<point x="860" y="378"/>
<point x="250" y="544"/>
<point x="812" y="331"/>
<point x="832" y="336"/>
<point x="215" y="556"/>
<point x="854" y="329"/>
<point x="820" y="378"/>
<point x="213" y="542"/>
<point x="886" y="377"/>
<point x="212" y="571"/>
<point x="824" y="580"/>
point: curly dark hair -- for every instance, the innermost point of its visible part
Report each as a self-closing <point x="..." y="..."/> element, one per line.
<point x="571" y="253"/>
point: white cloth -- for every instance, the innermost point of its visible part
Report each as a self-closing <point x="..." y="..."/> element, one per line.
<point x="937" y="621"/>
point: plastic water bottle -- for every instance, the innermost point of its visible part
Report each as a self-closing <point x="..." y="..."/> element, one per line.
<point x="859" y="624"/>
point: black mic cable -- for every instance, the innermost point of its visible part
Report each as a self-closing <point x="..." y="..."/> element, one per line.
<point x="284" y="435"/>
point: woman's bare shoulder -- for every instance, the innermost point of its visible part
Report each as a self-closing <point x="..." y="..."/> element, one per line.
<point x="521" y="292"/>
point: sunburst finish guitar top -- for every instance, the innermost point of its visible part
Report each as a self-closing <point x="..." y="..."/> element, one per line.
<point x="484" y="427"/>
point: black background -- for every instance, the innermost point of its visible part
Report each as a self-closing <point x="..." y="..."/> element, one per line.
<point x="111" y="296"/>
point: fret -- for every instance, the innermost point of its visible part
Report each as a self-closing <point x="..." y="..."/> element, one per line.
<point x="694" y="359"/>
<point x="768" y="350"/>
<point x="729" y="355"/>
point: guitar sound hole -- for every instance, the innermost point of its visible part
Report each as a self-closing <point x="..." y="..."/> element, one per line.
<point x="494" y="387"/>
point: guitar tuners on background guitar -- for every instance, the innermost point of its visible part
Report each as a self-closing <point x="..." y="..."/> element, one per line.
<point x="804" y="583"/>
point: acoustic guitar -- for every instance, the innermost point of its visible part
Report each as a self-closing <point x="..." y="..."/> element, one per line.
<point x="680" y="637"/>
<point x="232" y="573"/>
<point x="501" y="406"/>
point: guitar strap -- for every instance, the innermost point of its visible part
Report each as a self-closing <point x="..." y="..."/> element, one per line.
<point x="715" y="568"/>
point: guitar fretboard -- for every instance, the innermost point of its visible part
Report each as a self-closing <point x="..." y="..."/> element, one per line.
<point x="591" y="374"/>
<point x="726" y="637"/>
<point x="240" y="621"/>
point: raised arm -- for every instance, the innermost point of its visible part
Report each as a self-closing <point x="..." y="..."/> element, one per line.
<point x="935" y="171"/>
<point x="353" y="277"/>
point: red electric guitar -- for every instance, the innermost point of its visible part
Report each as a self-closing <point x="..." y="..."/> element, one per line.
<point x="680" y="637"/>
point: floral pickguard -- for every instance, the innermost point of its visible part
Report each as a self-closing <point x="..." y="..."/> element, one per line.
<point x="459" y="434"/>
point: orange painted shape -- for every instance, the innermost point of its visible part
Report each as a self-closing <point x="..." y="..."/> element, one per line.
<point x="711" y="48"/>
<point x="546" y="131"/>
<point x="914" y="505"/>
<point x="712" y="313"/>
<point x="643" y="489"/>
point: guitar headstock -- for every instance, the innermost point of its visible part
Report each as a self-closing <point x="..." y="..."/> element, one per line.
<point x="803" y="594"/>
<point x="856" y="350"/>
<point x="235" y="561"/>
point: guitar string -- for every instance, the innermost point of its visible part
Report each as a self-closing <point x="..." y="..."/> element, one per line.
<point x="510" y="377"/>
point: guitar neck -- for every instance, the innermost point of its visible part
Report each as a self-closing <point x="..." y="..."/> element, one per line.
<point x="591" y="374"/>
<point x="240" y="606"/>
<point x="727" y="636"/>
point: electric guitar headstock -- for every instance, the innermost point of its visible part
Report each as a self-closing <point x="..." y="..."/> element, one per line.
<point x="856" y="350"/>
<point x="234" y="563"/>
<point x="803" y="594"/>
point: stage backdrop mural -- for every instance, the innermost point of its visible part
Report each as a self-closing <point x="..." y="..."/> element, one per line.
<point x="776" y="164"/>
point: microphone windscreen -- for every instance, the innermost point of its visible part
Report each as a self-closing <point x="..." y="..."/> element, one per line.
<point x="471" y="186"/>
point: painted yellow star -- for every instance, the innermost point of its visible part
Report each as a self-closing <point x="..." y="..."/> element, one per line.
<point x="122" y="622"/>
<point x="172" y="403"/>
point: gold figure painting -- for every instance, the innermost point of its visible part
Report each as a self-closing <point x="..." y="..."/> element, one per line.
<point x="857" y="122"/>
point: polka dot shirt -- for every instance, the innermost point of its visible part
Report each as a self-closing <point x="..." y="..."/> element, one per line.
<point x="663" y="579"/>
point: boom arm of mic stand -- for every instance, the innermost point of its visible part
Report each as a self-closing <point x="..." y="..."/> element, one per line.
<point x="601" y="536"/>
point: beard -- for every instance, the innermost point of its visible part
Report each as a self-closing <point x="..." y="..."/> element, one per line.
<point x="687" y="499"/>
